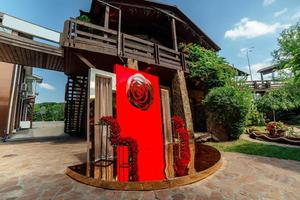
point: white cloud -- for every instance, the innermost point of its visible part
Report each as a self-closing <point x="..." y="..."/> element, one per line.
<point x="242" y="52"/>
<point x="247" y="28"/>
<point x="280" y="12"/>
<point x="46" y="86"/>
<point x="268" y="2"/>
<point x="296" y="15"/>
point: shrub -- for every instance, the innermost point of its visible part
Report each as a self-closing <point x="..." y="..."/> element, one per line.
<point x="254" y="117"/>
<point x="229" y="106"/>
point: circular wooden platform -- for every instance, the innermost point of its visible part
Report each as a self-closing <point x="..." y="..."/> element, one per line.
<point x="214" y="165"/>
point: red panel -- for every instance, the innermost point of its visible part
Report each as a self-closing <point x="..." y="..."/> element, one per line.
<point x="142" y="122"/>
<point x="122" y="164"/>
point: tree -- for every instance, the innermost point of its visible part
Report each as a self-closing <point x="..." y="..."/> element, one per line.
<point x="207" y="67"/>
<point x="288" y="54"/>
<point x="281" y="99"/>
<point x="49" y="112"/>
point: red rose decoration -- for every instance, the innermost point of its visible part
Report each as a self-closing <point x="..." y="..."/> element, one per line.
<point x="139" y="91"/>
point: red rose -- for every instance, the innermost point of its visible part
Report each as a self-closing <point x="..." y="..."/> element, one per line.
<point x="139" y="91"/>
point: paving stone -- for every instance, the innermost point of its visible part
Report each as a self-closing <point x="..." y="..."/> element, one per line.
<point x="10" y="189"/>
<point x="38" y="173"/>
<point x="216" y="196"/>
<point x="178" y="197"/>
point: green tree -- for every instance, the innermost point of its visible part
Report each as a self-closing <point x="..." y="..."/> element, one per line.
<point x="280" y="99"/>
<point x="49" y="112"/>
<point x="207" y="68"/>
<point x="288" y="54"/>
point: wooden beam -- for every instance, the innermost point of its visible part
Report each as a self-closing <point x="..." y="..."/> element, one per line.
<point x="171" y="15"/>
<point x="85" y="61"/>
<point x="174" y="36"/>
<point x="106" y="19"/>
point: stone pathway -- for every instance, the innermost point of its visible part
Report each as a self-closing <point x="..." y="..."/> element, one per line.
<point x="40" y="130"/>
<point x="36" y="171"/>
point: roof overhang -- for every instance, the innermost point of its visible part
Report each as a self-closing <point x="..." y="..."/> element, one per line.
<point x="170" y="9"/>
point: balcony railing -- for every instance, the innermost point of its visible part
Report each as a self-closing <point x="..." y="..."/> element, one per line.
<point x="264" y="85"/>
<point x="91" y="37"/>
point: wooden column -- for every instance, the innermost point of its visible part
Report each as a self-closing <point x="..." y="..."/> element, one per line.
<point x="174" y="36"/>
<point x="106" y="19"/>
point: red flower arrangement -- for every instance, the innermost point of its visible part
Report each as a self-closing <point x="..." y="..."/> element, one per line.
<point x="183" y="158"/>
<point x="276" y="129"/>
<point x="115" y="129"/>
<point x="177" y="122"/>
<point x="116" y="140"/>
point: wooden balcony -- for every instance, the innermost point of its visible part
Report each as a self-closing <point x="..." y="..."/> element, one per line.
<point x="89" y="37"/>
<point x="263" y="86"/>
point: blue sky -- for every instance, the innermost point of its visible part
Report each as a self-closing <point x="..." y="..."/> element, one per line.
<point x="233" y="24"/>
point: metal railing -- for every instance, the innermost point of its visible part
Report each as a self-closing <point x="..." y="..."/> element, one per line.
<point x="13" y="25"/>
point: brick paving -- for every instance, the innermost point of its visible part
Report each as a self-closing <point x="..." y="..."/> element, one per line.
<point x="35" y="170"/>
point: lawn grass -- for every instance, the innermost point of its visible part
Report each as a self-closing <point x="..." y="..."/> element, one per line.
<point x="246" y="147"/>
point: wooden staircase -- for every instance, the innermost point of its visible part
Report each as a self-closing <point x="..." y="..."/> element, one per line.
<point x="75" y="107"/>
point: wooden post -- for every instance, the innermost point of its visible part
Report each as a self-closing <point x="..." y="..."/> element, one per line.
<point x="106" y="19"/>
<point x="132" y="63"/>
<point x="174" y="36"/>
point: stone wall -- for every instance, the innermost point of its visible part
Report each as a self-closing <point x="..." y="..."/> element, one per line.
<point x="198" y="113"/>
<point x="181" y="103"/>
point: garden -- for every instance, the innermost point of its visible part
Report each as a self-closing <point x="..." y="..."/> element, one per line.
<point x="232" y="109"/>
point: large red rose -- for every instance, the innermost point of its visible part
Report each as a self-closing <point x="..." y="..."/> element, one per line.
<point x="139" y="91"/>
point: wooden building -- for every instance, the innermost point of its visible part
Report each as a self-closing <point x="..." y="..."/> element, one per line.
<point x="140" y="34"/>
<point x="17" y="97"/>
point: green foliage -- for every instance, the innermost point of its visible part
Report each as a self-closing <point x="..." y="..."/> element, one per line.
<point x="49" y="112"/>
<point x="243" y="146"/>
<point x="84" y="18"/>
<point x="288" y="54"/>
<point x="254" y="117"/>
<point x="208" y="67"/>
<point x="293" y="89"/>
<point x="281" y="99"/>
<point x="230" y="106"/>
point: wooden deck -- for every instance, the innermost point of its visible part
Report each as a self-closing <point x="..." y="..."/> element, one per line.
<point x="90" y="37"/>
